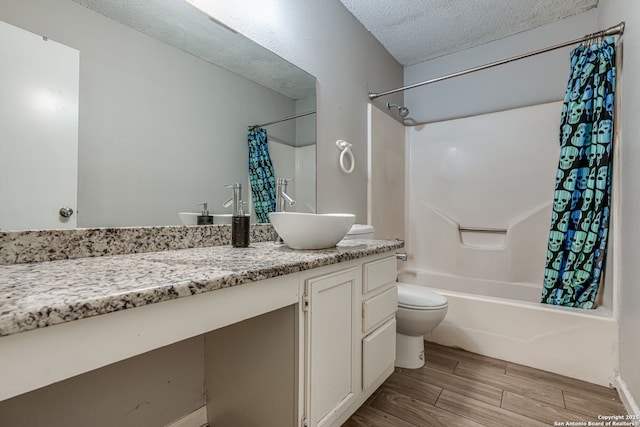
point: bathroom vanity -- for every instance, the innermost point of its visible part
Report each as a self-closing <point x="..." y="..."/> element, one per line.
<point x="289" y="337"/>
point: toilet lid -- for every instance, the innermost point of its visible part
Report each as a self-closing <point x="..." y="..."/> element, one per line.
<point x="419" y="297"/>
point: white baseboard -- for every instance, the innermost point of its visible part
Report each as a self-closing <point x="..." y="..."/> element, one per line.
<point x="627" y="398"/>
<point x="197" y="418"/>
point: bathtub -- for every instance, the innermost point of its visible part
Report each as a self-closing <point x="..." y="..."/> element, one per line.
<point x="507" y="321"/>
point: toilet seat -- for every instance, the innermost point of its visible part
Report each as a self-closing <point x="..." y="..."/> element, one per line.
<point x="419" y="298"/>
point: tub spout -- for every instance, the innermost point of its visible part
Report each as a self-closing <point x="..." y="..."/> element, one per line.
<point x="401" y="256"/>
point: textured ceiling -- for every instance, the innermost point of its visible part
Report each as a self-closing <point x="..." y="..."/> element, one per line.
<point x="179" y="24"/>
<point x="416" y="30"/>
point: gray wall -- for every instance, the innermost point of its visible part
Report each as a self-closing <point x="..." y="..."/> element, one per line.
<point x="152" y="390"/>
<point x="159" y="129"/>
<point x="531" y="81"/>
<point x="249" y="371"/>
<point x="610" y="12"/>
<point x="324" y="39"/>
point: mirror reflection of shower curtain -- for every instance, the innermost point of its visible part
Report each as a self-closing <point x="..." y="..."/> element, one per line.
<point x="580" y="218"/>
<point x="261" y="175"/>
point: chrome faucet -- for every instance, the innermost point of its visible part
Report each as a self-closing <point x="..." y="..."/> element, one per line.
<point x="282" y="196"/>
<point x="282" y="199"/>
<point x="236" y="199"/>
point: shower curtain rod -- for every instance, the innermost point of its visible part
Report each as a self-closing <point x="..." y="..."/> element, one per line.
<point x="617" y="29"/>
<point x="254" y="127"/>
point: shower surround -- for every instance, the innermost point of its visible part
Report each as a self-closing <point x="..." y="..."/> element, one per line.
<point x="479" y="197"/>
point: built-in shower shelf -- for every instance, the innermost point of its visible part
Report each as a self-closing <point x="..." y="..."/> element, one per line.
<point x="483" y="238"/>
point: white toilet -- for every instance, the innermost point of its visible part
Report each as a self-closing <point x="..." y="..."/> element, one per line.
<point x="420" y="310"/>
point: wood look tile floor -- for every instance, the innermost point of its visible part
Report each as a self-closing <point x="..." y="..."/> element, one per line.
<point x="458" y="388"/>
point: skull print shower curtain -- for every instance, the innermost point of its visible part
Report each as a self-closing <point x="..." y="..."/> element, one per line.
<point x="580" y="217"/>
<point x="261" y="175"/>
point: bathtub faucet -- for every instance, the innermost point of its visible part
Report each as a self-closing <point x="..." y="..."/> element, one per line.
<point x="401" y="256"/>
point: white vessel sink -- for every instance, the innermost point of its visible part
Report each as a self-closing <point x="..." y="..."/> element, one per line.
<point x="311" y="231"/>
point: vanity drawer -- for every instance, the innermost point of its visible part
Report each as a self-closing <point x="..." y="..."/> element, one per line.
<point x="378" y="308"/>
<point x="378" y="353"/>
<point x="379" y="273"/>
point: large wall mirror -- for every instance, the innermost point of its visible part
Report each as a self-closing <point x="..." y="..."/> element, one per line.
<point x="165" y="97"/>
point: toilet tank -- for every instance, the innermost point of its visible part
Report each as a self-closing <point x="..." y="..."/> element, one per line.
<point x="360" y="231"/>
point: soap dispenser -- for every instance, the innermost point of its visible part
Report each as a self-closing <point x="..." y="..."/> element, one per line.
<point x="204" y="218"/>
<point x="239" y="220"/>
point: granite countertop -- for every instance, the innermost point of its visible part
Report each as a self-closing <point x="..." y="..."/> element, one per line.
<point x="47" y="293"/>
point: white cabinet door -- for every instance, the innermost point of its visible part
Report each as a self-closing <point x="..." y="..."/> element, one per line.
<point x="378" y="353"/>
<point x="331" y="362"/>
